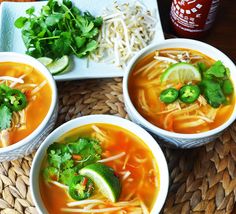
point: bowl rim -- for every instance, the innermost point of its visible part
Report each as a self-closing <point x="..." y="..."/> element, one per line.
<point x="152" y="127"/>
<point x="28" y="60"/>
<point x="105" y="119"/>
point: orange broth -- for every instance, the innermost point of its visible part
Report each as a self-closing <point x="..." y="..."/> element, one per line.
<point x="151" y="89"/>
<point x="36" y="109"/>
<point x="145" y="176"/>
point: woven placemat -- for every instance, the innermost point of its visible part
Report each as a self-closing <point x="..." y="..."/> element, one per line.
<point x="202" y="180"/>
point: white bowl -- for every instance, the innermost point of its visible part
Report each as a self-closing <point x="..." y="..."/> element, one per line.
<point x="108" y="119"/>
<point x="32" y="141"/>
<point x="171" y="138"/>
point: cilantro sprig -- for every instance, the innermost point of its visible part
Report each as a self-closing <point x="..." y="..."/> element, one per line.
<point x="216" y="85"/>
<point x="64" y="160"/>
<point x="60" y="29"/>
<point x="11" y="100"/>
<point x="5" y="115"/>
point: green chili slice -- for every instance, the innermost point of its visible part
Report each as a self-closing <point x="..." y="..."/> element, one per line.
<point x="15" y="100"/>
<point x="189" y="93"/>
<point x="169" y="95"/>
<point x="81" y="187"/>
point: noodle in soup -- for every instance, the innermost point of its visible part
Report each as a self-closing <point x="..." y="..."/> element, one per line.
<point x="121" y="151"/>
<point x="25" y="99"/>
<point x="158" y="81"/>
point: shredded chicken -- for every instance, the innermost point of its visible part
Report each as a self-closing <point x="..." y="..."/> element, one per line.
<point x="202" y="100"/>
<point x="183" y="57"/>
<point x="165" y="59"/>
<point x="4" y="136"/>
<point x="13" y="79"/>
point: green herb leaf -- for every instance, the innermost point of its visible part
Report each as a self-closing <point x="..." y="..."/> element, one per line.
<point x="61" y="162"/>
<point x="97" y="21"/>
<point x="89" y="149"/>
<point x="80" y="41"/>
<point x="51" y="173"/>
<point x="54" y="159"/>
<point x="30" y="11"/>
<point x="62" y="45"/>
<point x="45" y="11"/>
<point x="227" y="87"/>
<point x="92" y="45"/>
<point x="212" y="92"/>
<point x="58" y="148"/>
<point x="227" y="72"/>
<point x="217" y="70"/>
<point x="53" y="19"/>
<point x="5" y="115"/>
<point x="19" y="23"/>
<point x="60" y="29"/>
<point x="202" y="67"/>
<point x="91" y="33"/>
<point x="67" y="175"/>
<point x="85" y="147"/>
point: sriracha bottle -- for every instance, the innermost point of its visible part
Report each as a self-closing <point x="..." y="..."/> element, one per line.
<point x="193" y="18"/>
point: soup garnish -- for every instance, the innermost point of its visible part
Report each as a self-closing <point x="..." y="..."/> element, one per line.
<point x="11" y="100"/>
<point x="182" y="90"/>
<point x="99" y="168"/>
<point x="22" y="90"/>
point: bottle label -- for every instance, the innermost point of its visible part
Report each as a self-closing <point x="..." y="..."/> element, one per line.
<point x="193" y="15"/>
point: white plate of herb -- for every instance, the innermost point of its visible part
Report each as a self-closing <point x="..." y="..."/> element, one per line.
<point x="80" y="39"/>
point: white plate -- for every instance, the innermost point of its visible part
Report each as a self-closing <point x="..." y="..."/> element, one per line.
<point x="10" y="36"/>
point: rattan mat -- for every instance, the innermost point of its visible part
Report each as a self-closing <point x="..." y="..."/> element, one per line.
<point x="203" y="180"/>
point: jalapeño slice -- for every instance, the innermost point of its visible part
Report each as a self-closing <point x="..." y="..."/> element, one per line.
<point x="189" y="93"/>
<point x="169" y="95"/>
<point x="15" y="100"/>
<point x="81" y="187"/>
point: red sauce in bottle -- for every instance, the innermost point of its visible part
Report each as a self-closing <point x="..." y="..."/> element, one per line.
<point x="192" y="18"/>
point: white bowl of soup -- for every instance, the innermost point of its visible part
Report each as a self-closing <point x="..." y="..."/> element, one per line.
<point x="28" y="104"/>
<point x="181" y="90"/>
<point x="111" y="165"/>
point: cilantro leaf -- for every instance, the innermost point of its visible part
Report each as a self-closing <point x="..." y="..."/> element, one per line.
<point x="227" y="87"/>
<point x="91" y="33"/>
<point x="30" y="11"/>
<point x="96" y="20"/>
<point x="212" y="92"/>
<point x="66" y="161"/>
<point x="58" y="148"/>
<point x="54" y="159"/>
<point x="217" y="70"/>
<point x="202" y="67"/>
<point x="85" y="147"/>
<point x="62" y="45"/>
<point x="61" y="165"/>
<point x="5" y="115"/>
<point x="80" y="41"/>
<point x="19" y="23"/>
<point x="67" y="175"/>
<point x="51" y="173"/>
<point x="60" y="160"/>
<point x="92" y="45"/>
<point x="53" y="19"/>
<point x="89" y="149"/>
<point x="60" y="29"/>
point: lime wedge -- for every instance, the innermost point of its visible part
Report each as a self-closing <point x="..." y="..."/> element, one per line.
<point x="105" y="180"/>
<point x="59" y="65"/>
<point x="181" y="72"/>
<point x="45" y="60"/>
